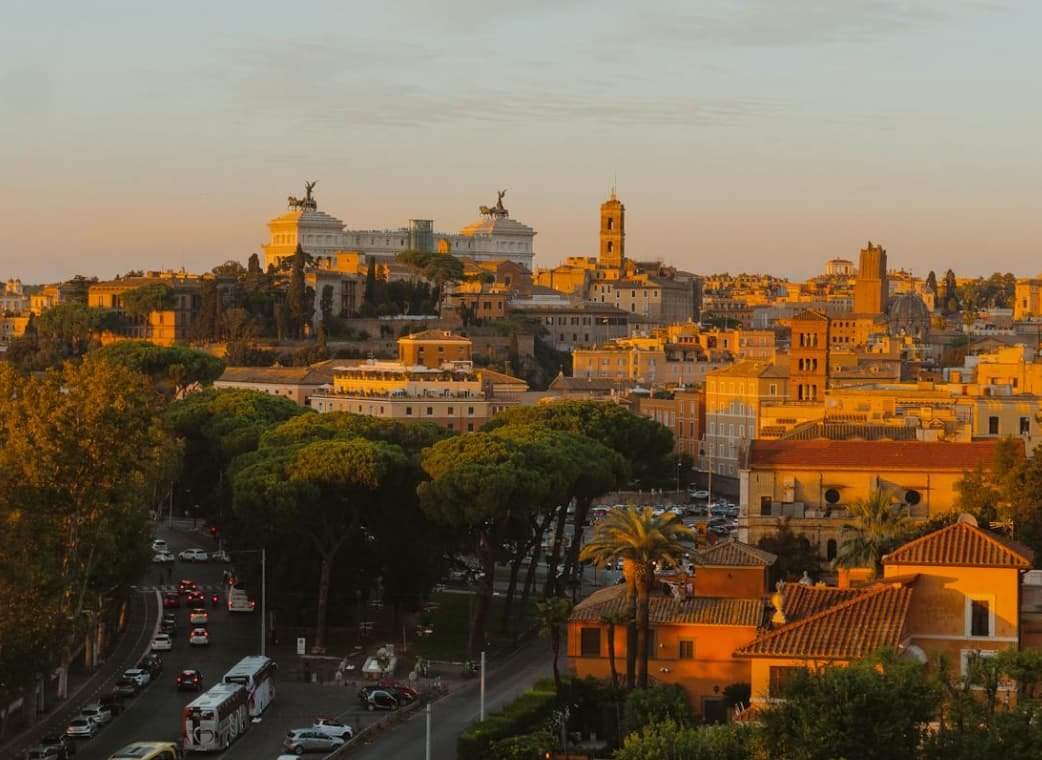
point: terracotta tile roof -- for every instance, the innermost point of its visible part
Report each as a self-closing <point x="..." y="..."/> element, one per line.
<point x="803" y="601"/>
<point x="669" y="610"/>
<point x="752" y="368"/>
<point x="962" y="544"/>
<point x="861" y="455"/>
<point x="734" y="554"/>
<point x="440" y="336"/>
<point x="846" y="631"/>
<point x="317" y="374"/>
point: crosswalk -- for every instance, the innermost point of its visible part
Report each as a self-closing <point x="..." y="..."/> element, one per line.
<point x="163" y="588"/>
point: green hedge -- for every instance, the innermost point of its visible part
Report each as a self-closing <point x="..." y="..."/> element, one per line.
<point x="528" y="712"/>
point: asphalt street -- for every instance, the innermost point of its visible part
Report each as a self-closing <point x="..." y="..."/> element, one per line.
<point x="452" y="714"/>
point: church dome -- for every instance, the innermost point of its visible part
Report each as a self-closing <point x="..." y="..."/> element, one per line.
<point x="908" y="315"/>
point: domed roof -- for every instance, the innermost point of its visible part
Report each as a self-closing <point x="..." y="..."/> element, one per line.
<point x="907" y="307"/>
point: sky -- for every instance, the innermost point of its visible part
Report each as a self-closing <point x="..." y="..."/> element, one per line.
<point x="742" y="135"/>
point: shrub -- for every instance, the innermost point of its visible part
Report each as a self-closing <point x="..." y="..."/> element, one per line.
<point x="656" y="704"/>
<point x="526" y="713"/>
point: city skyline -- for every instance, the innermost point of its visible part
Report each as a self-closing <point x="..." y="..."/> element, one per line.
<point x="748" y="136"/>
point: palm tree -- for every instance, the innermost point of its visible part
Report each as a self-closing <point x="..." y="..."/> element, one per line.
<point x="553" y="613"/>
<point x="612" y="619"/>
<point x="641" y="539"/>
<point x="878" y="526"/>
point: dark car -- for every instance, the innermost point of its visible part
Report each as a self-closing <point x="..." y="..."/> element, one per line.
<point x="377" y="699"/>
<point x="114" y="702"/>
<point x="153" y="663"/>
<point x="126" y="687"/>
<point x="190" y="679"/>
<point x="195" y="599"/>
<point x="186" y="585"/>
<point x="401" y="692"/>
<point x="41" y="752"/>
<point x="168" y="625"/>
<point x="61" y="744"/>
<point x="171" y="600"/>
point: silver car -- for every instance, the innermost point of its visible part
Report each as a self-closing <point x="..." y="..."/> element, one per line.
<point x="300" y="740"/>
<point x="81" y="728"/>
<point x="97" y="713"/>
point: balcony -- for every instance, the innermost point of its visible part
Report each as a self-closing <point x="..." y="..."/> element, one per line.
<point x="802" y="511"/>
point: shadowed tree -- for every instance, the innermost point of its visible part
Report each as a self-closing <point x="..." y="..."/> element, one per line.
<point x="612" y="620"/>
<point x="641" y="540"/>
<point x="553" y="616"/>
<point x="876" y="527"/>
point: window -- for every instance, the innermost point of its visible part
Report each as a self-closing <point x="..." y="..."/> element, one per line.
<point x="687" y="650"/>
<point x="470" y="410"/>
<point x="611" y="226"/>
<point x="980" y="617"/>
<point x="611" y="245"/>
<point x="450" y="410"/>
<point x="993" y="425"/>
<point x="470" y="427"/>
<point x="430" y="411"/>
<point x="779" y="677"/>
<point x="1025" y="425"/>
<point x="590" y="642"/>
<point x="830" y="549"/>
<point x="408" y="411"/>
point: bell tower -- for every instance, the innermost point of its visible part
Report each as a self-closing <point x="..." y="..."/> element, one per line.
<point x="613" y="232"/>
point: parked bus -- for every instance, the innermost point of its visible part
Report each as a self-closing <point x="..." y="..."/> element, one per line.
<point x="256" y="675"/>
<point x="239" y="601"/>
<point x="215" y="719"/>
<point x="148" y="751"/>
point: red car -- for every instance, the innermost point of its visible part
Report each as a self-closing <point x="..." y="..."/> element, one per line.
<point x="190" y="679"/>
<point x="195" y="599"/>
<point x="170" y="599"/>
<point x="187" y="585"/>
<point x="404" y="694"/>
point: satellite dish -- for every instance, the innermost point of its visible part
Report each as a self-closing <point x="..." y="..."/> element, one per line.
<point x="968" y="518"/>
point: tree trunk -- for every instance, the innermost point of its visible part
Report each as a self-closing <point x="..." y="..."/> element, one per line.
<point x="555" y="645"/>
<point x="571" y="562"/>
<point x="476" y="640"/>
<point x="323" y="600"/>
<point x="611" y="656"/>
<point x="553" y="586"/>
<point x="515" y="571"/>
<point x="530" y="573"/>
<point x="629" y="574"/>
<point x="645" y="579"/>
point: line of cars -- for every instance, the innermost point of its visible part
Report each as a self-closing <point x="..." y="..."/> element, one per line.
<point x="96" y="715"/>
<point x="161" y="554"/>
<point x="198" y="617"/>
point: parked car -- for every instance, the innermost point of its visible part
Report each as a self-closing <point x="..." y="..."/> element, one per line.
<point x="193" y="555"/>
<point x="40" y="752"/>
<point x="168" y="624"/>
<point x="138" y="676"/>
<point x="404" y="694"/>
<point x="199" y="637"/>
<point x="159" y="545"/>
<point x="96" y="713"/>
<point x="698" y="493"/>
<point x="153" y="663"/>
<point x="163" y="558"/>
<point x="198" y="616"/>
<point x="126" y="687"/>
<point x="113" y="701"/>
<point x="377" y="699"/>
<point x="61" y="742"/>
<point x="220" y="556"/>
<point x="333" y="727"/>
<point x="301" y="740"/>
<point x="190" y="679"/>
<point x="183" y="587"/>
<point x="162" y="642"/>
<point x="81" y="728"/>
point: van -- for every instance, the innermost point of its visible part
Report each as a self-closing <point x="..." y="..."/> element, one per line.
<point x="239" y="601"/>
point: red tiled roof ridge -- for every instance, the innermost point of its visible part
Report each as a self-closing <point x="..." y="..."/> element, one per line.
<point x="869" y="594"/>
<point x="906" y="554"/>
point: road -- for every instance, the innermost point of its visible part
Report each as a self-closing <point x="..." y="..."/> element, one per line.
<point x="451" y="715"/>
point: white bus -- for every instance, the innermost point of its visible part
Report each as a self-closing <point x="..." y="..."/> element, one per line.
<point x="215" y="719"/>
<point x="256" y="675"/>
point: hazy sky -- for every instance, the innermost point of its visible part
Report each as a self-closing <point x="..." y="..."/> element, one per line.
<point x="746" y="135"/>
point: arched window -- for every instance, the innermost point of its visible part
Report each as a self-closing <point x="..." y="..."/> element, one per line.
<point x="611" y="223"/>
<point x="611" y="246"/>
<point x="830" y="549"/>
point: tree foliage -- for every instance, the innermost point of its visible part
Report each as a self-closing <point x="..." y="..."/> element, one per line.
<point x="143" y="300"/>
<point x="173" y="368"/>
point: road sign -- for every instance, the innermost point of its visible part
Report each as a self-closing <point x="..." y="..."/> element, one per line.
<point x="302" y="645"/>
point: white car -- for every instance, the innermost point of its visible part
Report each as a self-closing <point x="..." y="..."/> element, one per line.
<point x="198" y="616"/>
<point x="333" y="727"/>
<point x="199" y="637"/>
<point x="159" y="545"/>
<point x="699" y="494"/>
<point x="138" y="676"/>
<point x="162" y="643"/>
<point x="97" y="713"/>
<point x="220" y="556"/>
<point x="81" y="727"/>
<point x="163" y="558"/>
<point x="193" y="555"/>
